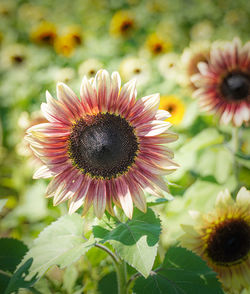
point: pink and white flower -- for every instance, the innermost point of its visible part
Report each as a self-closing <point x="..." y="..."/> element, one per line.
<point x="105" y="148"/>
<point x="224" y="83"/>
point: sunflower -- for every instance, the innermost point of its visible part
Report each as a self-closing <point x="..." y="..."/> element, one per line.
<point x="122" y="23"/>
<point x="169" y="66"/>
<point x="157" y="45"/>
<point x="174" y="106"/>
<point x="44" y="34"/>
<point x="135" y="68"/>
<point x="74" y="32"/>
<point x="224" y="83"/>
<point x="90" y="67"/>
<point x="14" y="55"/>
<point x="191" y="56"/>
<point x="105" y="148"/>
<point x="65" y="45"/>
<point x="222" y="238"/>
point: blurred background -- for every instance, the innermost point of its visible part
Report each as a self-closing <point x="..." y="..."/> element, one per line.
<point x="157" y="42"/>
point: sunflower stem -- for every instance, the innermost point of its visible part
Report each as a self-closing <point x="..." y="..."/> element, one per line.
<point x="120" y="268"/>
<point x="235" y="148"/>
<point x="121" y="272"/>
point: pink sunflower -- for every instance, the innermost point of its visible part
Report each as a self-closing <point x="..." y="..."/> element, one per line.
<point x="224" y="83"/>
<point x="105" y="148"/>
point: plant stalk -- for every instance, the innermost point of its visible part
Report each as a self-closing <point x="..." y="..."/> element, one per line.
<point x="120" y="268"/>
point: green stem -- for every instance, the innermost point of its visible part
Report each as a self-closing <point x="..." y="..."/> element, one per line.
<point x="120" y="268"/>
<point x="235" y="148"/>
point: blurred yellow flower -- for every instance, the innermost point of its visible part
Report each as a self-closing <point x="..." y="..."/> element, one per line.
<point x="65" y="45"/>
<point x="157" y="44"/>
<point x="174" y="106"/>
<point x="122" y="23"/>
<point x="74" y="32"/>
<point x="45" y="33"/>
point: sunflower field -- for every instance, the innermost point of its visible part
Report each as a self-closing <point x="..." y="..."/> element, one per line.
<point x="124" y="147"/>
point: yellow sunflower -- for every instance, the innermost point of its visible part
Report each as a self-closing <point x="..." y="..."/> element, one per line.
<point x="122" y="23"/>
<point x="74" y="32"/>
<point x="65" y="45"/>
<point x="174" y="106"/>
<point x="157" y="45"/>
<point x="222" y="238"/>
<point x="44" y="34"/>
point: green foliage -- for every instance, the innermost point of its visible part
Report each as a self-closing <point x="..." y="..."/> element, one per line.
<point x="182" y="272"/>
<point x="206" y="138"/>
<point x="61" y="243"/>
<point x="19" y="281"/>
<point x="108" y="284"/>
<point x="135" y="241"/>
<point x="11" y="253"/>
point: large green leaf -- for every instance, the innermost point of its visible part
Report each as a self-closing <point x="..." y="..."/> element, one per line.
<point x="182" y="272"/>
<point x="11" y="253"/>
<point x="207" y="137"/>
<point x="18" y="280"/>
<point x="61" y="243"/>
<point x="135" y="241"/>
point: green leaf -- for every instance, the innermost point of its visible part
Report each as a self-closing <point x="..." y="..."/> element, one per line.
<point x="182" y="272"/>
<point x="108" y="284"/>
<point x="11" y="253"/>
<point x="207" y="137"/>
<point x="135" y="241"/>
<point x="61" y="243"/>
<point x="153" y="200"/>
<point x="18" y="281"/>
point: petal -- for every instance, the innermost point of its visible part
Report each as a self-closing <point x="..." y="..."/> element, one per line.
<point x="43" y="172"/>
<point x="124" y="197"/>
<point x="115" y="89"/>
<point x="89" y="97"/>
<point x="99" y="201"/>
<point x="243" y="197"/>
<point x="103" y="86"/>
<point x="153" y="128"/>
<point x="69" y="98"/>
<point x="78" y="199"/>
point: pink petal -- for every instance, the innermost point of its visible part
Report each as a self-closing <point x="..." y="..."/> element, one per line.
<point x="124" y="197"/>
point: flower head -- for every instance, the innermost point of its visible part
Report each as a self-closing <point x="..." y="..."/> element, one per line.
<point x="190" y="58"/>
<point x="44" y="34"/>
<point x="174" y="106"/>
<point x="222" y="238"/>
<point x="90" y="67"/>
<point x="74" y="32"/>
<point x="104" y="148"/>
<point x="122" y="23"/>
<point x="14" y="55"/>
<point x="157" y="45"/>
<point x="135" y="68"/>
<point x="65" y="45"/>
<point x="224" y="83"/>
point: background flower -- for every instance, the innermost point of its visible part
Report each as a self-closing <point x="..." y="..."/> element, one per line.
<point x="222" y="237"/>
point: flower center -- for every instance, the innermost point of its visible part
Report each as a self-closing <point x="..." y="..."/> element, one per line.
<point x="230" y="241"/>
<point x="103" y="145"/>
<point x="126" y="25"/>
<point x="236" y="86"/>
